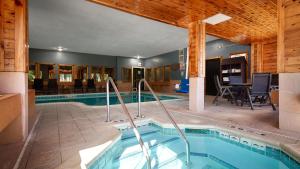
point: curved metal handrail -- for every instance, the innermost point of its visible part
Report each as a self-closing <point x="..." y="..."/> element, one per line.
<point x="187" y="144"/>
<point x="125" y="110"/>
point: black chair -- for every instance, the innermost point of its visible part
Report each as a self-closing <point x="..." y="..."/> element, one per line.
<point x="52" y="86"/>
<point x="38" y="85"/>
<point x="78" y="86"/>
<point x="222" y="91"/>
<point x="259" y="94"/>
<point x="91" y="85"/>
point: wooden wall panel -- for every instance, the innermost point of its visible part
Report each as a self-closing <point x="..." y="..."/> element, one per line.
<point x="13" y="36"/>
<point x="269" y="57"/>
<point x="289" y="36"/>
<point x="256" y="57"/>
<point x="264" y="56"/>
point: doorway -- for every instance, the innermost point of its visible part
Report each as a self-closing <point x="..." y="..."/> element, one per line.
<point x="212" y="69"/>
<point x="138" y="73"/>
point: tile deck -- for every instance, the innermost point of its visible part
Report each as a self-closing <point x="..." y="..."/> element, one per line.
<point x="64" y="129"/>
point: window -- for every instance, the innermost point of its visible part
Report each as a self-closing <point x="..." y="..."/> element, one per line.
<point x="159" y="74"/>
<point x="126" y="74"/>
<point x="82" y="73"/>
<point x="96" y="73"/>
<point x="239" y="54"/>
<point x="65" y="73"/>
<point x="150" y="76"/>
<point x="167" y="73"/>
<point x="31" y="73"/>
<point x="47" y="71"/>
<point x="108" y="72"/>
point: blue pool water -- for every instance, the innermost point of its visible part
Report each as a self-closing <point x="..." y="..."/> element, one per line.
<point x="99" y="98"/>
<point x="210" y="149"/>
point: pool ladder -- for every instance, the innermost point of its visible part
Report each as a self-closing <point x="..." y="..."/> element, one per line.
<point x="182" y="135"/>
<point x="126" y="112"/>
<point x="136" y="132"/>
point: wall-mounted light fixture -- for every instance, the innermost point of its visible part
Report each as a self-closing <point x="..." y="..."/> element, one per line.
<point x="220" y="46"/>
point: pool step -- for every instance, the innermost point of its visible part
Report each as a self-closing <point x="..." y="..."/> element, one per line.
<point x="136" y="149"/>
<point x="132" y="141"/>
<point x="145" y="130"/>
<point x="159" y="152"/>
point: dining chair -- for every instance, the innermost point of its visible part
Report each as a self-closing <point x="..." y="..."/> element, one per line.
<point x="52" y="86"/>
<point x="38" y="85"/>
<point x="259" y="94"/>
<point x="78" y="86"/>
<point x="91" y="85"/>
<point x="222" y="91"/>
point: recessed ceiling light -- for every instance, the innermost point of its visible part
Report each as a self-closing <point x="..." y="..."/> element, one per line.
<point x="138" y="57"/>
<point x="218" y="18"/>
<point x="60" y="48"/>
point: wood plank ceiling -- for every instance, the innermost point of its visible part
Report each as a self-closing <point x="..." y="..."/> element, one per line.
<point x="252" y="20"/>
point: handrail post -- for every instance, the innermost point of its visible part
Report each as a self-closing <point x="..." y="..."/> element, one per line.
<point x="187" y="144"/>
<point x="139" y="97"/>
<point x="188" y="156"/>
<point x="107" y="101"/>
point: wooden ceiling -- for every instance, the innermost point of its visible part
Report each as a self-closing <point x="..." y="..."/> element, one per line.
<point x="252" y="20"/>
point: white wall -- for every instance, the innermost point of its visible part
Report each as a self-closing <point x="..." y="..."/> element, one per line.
<point x="289" y="100"/>
<point x="17" y="82"/>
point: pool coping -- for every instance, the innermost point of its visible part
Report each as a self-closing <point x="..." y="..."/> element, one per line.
<point x="87" y="162"/>
<point x="178" y="97"/>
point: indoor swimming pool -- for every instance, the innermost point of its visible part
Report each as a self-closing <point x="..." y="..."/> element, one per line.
<point x="210" y="149"/>
<point x="98" y="99"/>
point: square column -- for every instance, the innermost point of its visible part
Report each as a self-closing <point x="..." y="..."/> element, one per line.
<point x="196" y="65"/>
<point x="196" y="96"/>
<point x="289" y="100"/>
<point x="288" y="64"/>
<point x="14" y="53"/>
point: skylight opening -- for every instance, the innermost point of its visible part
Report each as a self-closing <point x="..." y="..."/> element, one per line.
<point x="216" y="19"/>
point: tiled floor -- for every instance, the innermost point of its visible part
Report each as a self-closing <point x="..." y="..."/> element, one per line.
<point x="64" y="129"/>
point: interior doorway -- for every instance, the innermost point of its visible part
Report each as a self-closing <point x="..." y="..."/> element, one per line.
<point x="212" y="69"/>
<point x="138" y="73"/>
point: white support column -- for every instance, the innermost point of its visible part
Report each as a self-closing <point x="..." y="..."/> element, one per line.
<point x="196" y="96"/>
<point x="17" y="82"/>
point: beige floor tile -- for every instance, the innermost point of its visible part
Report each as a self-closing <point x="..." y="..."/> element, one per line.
<point x="64" y="129"/>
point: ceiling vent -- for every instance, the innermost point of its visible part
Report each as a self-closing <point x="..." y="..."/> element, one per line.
<point x="218" y="18"/>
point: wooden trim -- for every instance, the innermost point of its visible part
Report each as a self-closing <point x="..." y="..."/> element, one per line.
<point x="258" y="57"/>
<point x="197" y="49"/>
<point x="280" y="36"/>
<point x="216" y="57"/>
<point x="252" y="58"/>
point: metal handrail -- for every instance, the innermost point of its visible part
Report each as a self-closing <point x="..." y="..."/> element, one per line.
<point x="125" y="110"/>
<point x="187" y="144"/>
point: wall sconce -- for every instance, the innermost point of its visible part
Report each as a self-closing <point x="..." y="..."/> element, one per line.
<point x="220" y="46"/>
